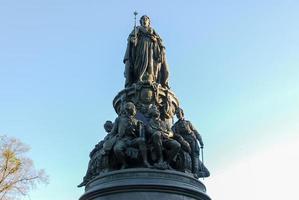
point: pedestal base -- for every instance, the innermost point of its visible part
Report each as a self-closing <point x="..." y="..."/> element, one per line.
<point x="145" y="184"/>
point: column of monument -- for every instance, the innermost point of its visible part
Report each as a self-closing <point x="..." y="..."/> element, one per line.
<point x="144" y="154"/>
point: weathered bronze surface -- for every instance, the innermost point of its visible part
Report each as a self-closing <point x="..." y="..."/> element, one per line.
<point x="145" y="59"/>
<point x="143" y="135"/>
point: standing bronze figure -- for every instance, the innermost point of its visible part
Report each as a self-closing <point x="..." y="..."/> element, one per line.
<point x="145" y="59"/>
<point x="188" y="136"/>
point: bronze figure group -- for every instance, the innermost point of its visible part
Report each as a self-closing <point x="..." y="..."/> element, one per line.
<point x="130" y="143"/>
<point x="144" y="135"/>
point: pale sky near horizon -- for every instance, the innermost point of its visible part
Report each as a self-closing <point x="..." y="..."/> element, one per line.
<point x="234" y="65"/>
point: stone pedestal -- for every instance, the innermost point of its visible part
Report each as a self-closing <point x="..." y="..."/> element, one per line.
<point x="145" y="184"/>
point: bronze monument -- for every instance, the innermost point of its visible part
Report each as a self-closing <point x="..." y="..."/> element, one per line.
<point x="143" y="141"/>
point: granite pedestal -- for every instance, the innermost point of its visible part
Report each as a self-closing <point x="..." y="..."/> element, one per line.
<point x="145" y="184"/>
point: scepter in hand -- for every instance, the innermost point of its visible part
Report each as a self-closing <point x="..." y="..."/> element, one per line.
<point x="135" y="28"/>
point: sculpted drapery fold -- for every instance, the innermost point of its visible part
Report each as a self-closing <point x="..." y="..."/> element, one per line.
<point x="145" y="58"/>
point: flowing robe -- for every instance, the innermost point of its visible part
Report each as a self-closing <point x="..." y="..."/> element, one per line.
<point x="145" y="61"/>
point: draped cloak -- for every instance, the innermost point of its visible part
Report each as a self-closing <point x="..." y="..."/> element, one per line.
<point x="146" y="59"/>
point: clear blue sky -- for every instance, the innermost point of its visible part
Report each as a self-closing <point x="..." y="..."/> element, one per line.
<point x="234" y="66"/>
